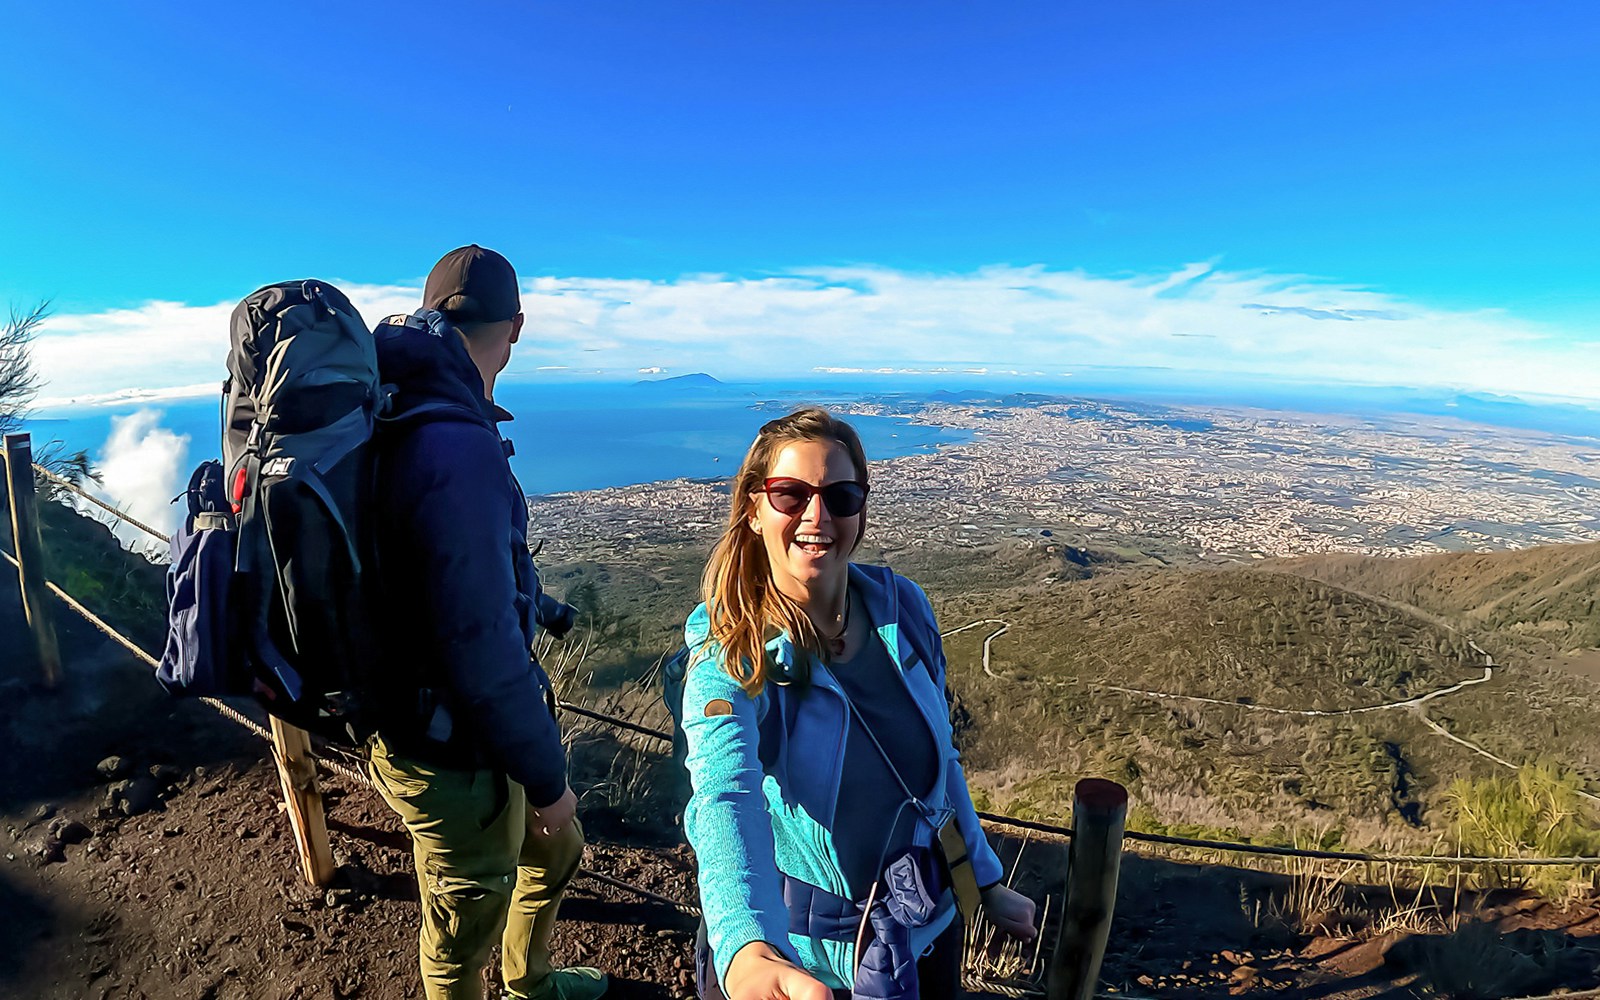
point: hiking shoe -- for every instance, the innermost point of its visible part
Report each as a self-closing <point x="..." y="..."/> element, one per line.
<point x="578" y="982"/>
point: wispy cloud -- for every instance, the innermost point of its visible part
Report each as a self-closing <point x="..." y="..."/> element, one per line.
<point x="1199" y="318"/>
<point x="1341" y="314"/>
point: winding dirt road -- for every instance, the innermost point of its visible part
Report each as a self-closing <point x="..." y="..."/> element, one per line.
<point x="1417" y="705"/>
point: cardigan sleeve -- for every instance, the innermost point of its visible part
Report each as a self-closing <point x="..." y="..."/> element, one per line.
<point x="727" y="823"/>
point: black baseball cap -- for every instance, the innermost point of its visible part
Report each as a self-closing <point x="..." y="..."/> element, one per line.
<point x="473" y="284"/>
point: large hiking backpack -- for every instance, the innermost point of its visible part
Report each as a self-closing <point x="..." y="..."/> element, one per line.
<point x="301" y="402"/>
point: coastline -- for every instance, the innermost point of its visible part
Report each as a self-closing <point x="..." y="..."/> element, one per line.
<point x="1183" y="483"/>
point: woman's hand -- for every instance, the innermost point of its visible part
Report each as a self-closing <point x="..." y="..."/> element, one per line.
<point x="758" y="972"/>
<point x="1011" y="912"/>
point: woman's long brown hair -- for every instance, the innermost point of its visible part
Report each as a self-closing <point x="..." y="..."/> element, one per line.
<point x="745" y="608"/>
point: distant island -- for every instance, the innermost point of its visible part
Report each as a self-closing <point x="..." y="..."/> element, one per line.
<point x="694" y="380"/>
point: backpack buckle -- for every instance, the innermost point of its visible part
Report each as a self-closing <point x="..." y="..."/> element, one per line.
<point x="312" y="290"/>
<point x="208" y="520"/>
<point x="433" y="321"/>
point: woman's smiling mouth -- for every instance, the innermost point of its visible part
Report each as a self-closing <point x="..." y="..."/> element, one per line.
<point x="813" y="544"/>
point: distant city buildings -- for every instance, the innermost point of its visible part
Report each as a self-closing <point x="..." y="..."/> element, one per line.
<point x="1254" y="484"/>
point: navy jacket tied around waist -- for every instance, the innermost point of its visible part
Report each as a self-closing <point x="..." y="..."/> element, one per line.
<point x="908" y="896"/>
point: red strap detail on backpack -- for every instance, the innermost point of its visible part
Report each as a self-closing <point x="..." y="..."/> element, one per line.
<point x="238" y="491"/>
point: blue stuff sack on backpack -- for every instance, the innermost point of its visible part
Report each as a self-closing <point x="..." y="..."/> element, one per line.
<point x="198" y="659"/>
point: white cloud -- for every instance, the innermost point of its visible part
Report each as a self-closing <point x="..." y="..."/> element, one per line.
<point x="142" y="466"/>
<point x="1198" y="318"/>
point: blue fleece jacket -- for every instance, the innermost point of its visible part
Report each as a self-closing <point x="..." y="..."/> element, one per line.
<point x="749" y="822"/>
<point x="460" y="587"/>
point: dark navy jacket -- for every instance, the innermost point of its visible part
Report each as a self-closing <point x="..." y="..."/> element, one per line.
<point x="460" y="591"/>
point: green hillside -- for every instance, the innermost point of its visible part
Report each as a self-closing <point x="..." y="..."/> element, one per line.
<point x="1047" y="711"/>
<point x="1549" y="592"/>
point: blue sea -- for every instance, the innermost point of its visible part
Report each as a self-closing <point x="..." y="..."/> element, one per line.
<point x="569" y="436"/>
<point x="574" y="435"/>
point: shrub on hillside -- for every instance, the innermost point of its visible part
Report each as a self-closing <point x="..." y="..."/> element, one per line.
<point x="1539" y="812"/>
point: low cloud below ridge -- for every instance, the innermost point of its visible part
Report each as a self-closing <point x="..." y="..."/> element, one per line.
<point x="141" y="466"/>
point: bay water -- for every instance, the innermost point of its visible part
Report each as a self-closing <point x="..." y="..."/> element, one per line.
<point x="568" y="436"/>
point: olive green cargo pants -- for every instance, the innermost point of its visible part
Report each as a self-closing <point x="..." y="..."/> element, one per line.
<point x="484" y="875"/>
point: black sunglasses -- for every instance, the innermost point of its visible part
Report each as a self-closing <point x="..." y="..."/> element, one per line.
<point x="793" y="496"/>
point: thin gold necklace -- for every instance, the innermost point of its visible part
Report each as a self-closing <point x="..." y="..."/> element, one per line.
<point x="836" y="641"/>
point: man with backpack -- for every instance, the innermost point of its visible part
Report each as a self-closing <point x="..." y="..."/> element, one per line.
<point x="474" y="763"/>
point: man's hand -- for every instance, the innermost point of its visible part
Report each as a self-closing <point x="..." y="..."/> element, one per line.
<point x="548" y="821"/>
<point x="563" y="622"/>
<point x="758" y="972"/>
<point x="1011" y="912"/>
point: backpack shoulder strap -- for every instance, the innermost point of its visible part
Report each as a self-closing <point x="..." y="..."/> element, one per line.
<point x="423" y="413"/>
<point x="770" y="734"/>
<point x="920" y="633"/>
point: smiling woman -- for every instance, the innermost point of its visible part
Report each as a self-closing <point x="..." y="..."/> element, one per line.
<point x="837" y="843"/>
<point x="795" y="580"/>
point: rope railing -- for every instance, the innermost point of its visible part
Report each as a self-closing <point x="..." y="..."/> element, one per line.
<point x="612" y="720"/>
<point x="1190" y="842"/>
<point x="72" y="487"/>
<point x="1298" y="852"/>
<point x="686" y="909"/>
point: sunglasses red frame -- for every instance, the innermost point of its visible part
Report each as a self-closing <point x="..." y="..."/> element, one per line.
<point x="839" y="502"/>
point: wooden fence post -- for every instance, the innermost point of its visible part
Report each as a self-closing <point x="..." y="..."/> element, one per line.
<point x="1099" y="811"/>
<point x="297" y="770"/>
<point x="29" y="546"/>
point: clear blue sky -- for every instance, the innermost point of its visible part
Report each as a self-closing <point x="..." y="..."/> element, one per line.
<point x="1445" y="153"/>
